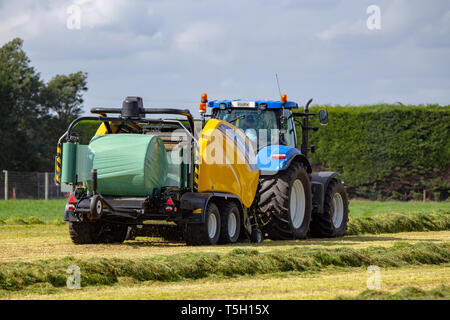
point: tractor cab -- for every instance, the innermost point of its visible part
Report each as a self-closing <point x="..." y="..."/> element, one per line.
<point x="270" y="126"/>
<point x="264" y="122"/>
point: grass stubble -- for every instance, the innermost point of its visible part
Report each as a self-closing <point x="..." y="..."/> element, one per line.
<point x="47" y="276"/>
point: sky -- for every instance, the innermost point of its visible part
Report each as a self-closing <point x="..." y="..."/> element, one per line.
<point x="170" y="52"/>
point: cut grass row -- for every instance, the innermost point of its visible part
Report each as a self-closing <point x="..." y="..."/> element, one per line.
<point x="396" y="222"/>
<point x="410" y="293"/>
<point x="52" y="210"/>
<point x="32" y="220"/>
<point x="37" y="242"/>
<point x="326" y="284"/>
<point x="384" y="223"/>
<point x="16" y="276"/>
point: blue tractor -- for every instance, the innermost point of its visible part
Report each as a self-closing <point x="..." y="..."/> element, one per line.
<point x="292" y="202"/>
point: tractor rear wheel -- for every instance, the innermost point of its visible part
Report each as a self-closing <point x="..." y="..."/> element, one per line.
<point x="204" y="233"/>
<point x="333" y="221"/>
<point x="285" y="204"/>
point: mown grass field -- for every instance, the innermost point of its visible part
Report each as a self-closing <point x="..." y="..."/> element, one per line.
<point x="53" y="210"/>
<point x="410" y="242"/>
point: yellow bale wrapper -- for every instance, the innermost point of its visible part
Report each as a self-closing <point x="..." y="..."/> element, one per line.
<point x="227" y="162"/>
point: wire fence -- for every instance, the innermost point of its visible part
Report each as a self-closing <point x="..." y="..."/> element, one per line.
<point x="29" y="185"/>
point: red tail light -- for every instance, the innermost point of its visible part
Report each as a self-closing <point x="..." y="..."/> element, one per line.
<point x="279" y="156"/>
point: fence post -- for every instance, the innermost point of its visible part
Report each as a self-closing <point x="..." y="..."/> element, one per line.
<point x="6" y="184"/>
<point x="46" y="186"/>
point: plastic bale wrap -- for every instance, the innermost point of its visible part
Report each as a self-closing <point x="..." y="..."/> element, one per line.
<point x="69" y="156"/>
<point x="129" y="164"/>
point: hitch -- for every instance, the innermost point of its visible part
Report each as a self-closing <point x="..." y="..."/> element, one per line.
<point x="251" y="226"/>
<point x="94" y="180"/>
<point x="96" y="207"/>
<point x="98" y="202"/>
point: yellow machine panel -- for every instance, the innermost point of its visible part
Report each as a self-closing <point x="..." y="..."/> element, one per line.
<point x="115" y="128"/>
<point x="227" y="162"/>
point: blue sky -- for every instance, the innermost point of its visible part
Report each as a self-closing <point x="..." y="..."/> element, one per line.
<point x="169" y="52"/>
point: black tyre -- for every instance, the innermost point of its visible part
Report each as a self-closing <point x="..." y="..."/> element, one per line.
<point x="97" y="232"/>
<point x="84" y="232"/>
<point x="96" y="207"/>
<point x="230" y="222"/>
<point x="333" y="221"/>
<point x="204" y="233"/>
<point x="167" y="232"/>
<point x="285" y="204"/>
<point x="256" y="236"/>
<point x="113" y="233"/>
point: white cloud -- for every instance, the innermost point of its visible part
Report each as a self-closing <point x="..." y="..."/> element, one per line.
<point x="100" y="12"/>
<point x="344" y="28"/>
<point x="14" y="22"/>
<point x="198" y="36"/>
<point x="172" y="51"/>
<point x="20" y="19"/>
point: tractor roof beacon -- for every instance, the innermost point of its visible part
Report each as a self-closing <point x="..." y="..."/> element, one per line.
<point x="278" y="196"/>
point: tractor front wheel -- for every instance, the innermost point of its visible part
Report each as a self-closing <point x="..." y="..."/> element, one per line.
<point x="333" y="221"/>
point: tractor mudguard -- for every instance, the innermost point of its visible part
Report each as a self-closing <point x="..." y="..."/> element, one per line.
<point x="275" y="158"/>
<point x="319" y="183"/>
<point x="196" y="203"/>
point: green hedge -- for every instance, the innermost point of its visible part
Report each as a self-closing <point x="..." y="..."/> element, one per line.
<point x="86" y="130"/>
<point x="382" y="151"/>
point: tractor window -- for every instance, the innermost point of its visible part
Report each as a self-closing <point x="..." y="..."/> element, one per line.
<point x="289" y="126"/>
<point x="258" y="126"/>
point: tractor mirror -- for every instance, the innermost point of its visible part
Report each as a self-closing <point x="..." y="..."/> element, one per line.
<point x="323" y="117"/>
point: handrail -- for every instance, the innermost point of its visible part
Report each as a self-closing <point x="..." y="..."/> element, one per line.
<point x="182" y="112"/>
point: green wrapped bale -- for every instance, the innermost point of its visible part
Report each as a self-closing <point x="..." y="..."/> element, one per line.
<point x="129" y="164"/>
<point x="69" y="155"/>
